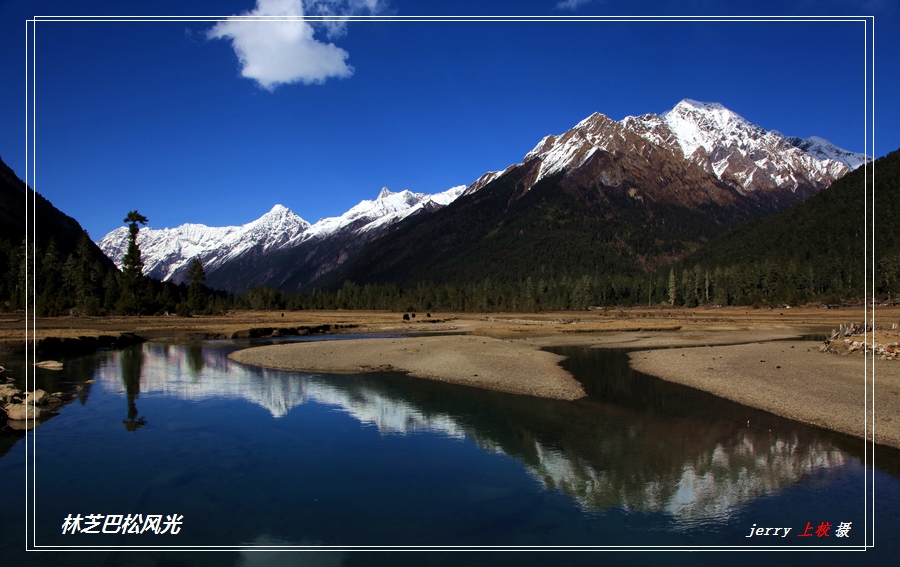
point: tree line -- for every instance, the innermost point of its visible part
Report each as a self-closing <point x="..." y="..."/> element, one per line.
<point x="78" y="285"/>
<point x="759" y="283"/>
<point x="37" y="277"/>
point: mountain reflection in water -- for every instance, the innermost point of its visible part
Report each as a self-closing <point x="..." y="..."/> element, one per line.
<point x="637" y="444"/>
<point x="267" y="462"/>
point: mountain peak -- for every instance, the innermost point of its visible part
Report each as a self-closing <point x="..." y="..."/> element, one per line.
<point x="283" y="217"/>
<point x="385" y="192"/>
<point x="707" y="116"/>
<point x="720" y="141"/>
<point x="689" y="102"/>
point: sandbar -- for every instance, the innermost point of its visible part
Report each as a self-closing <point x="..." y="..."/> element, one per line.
<point x="482" y="362"/>
<point x="793" y="380"/>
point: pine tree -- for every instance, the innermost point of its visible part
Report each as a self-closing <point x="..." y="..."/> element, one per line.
<point x="110" y="291"/>
<point x="88" y="277"/>
<point x="130" y="298"/>
<point x="166" y="299"/>
<point x="133" y="266"/>
<point x="672" y="287"/>
<point x="196" y="297"/>
<point x="50" y="281"/>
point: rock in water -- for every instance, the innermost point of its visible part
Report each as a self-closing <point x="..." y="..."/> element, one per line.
<point x="7" y="392"/>
<point x="37" y="398"/>
<point x="18" y="412"/>
<point x="50" y="365"/>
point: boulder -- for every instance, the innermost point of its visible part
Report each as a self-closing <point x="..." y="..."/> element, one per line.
<point x="50" y="365"/>
<point x="21" y="425"/>
<point x="7" y="391"/>
<point x="22" y="411"/>
<point x="37" y="398"/>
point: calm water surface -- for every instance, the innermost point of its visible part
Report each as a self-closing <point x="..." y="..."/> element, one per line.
<point x="252" y="457"/>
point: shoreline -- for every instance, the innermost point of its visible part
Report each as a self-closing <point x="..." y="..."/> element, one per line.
<point x="721" y="347"/>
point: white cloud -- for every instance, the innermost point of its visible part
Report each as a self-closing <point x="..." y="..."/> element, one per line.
<point x="339" y="10"/>
<point x="284" y="51"/>
<point x="571" y="4"/>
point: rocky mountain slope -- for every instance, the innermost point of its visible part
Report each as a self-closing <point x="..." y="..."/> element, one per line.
<point x="732" y="150"/>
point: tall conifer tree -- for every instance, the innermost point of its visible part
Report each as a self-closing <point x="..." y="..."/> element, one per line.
<point x="196" y="298"/>
<point x="130" y="299"/>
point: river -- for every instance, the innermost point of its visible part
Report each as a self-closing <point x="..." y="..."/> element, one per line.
<point x="240" y="460"/>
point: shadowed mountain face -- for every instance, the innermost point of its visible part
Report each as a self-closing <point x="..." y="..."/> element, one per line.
<point x="823" y="238"/>
<point x="47" y="221"/>
<point x="613" y="214"/>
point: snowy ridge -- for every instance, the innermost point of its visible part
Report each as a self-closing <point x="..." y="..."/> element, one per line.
<point x="723" y="143"/>
<point x="167" y="253"/>
<point x="485" y="179"/>
<point x="747" y="152"/>
<point x="387" y="209"/>
<point x="820" y="148"/>
<point x="573" y="148"/>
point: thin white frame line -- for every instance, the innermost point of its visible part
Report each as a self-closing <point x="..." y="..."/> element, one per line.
<point x="461" y="18"/>
<point x="33" y="343"/>
<point x="375" y="18"/>
<point x="752" y="19"/>
<point x="458" y="547"/>
<point x="34" y="296"/>
<point x="394" y="19"/>
<point x="865" y="292"/>
<point x="872" y="110"/>
<point x="412" y="17"/>
<point x="27" y="225"/>
<point x="453" y="550"/>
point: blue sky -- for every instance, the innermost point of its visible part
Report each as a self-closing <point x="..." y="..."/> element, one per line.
<point x="167" y="117"/>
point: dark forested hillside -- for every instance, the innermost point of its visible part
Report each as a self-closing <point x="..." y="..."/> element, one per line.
<point x="49" y="222"/>
<point x="67" y="266"/>
<point x="557" y="228"/>
<point x="563" y="246"/>
<point x="816" y="249"/>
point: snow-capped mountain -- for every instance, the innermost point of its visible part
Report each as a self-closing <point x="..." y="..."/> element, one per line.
<point x="388" y="208"/>
<point x="167" y="253"/>
<point x="820" y="148"/>
<point x="696" y="163"/>
<point x="741" y="154"/>
<point x="604" y="197"/>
